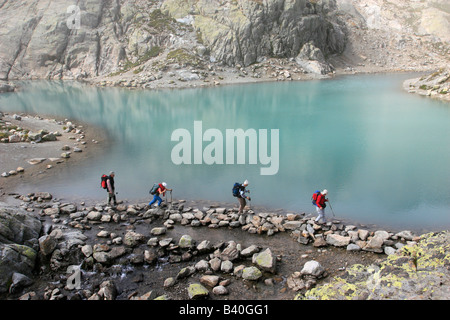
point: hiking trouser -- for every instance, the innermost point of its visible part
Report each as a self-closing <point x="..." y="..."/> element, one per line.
<point x="321" y="214"/>
<point x="242" y="204"/>
<point x="156" y="198"/>
<point x="112" y="196"/>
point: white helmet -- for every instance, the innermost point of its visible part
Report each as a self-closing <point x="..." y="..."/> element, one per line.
<point x="325" y="191"/>
<point x="164" y="184"/>
<point x="245" y="183"/>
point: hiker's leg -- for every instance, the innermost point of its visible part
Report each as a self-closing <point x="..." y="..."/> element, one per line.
<point x="321" y="214"/>
<point x="155" y="197"/>
<point x="159" y="200"/>
<point x="241" y="205"/>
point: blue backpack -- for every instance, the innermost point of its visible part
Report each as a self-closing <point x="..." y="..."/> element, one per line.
<point x="236" y="188"/>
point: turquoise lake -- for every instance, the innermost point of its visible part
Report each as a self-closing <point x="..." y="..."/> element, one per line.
<point x="382" y="153"/>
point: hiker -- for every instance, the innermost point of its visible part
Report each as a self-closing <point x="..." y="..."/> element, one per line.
<point x="161" y="189"/>
<point x="110" y="188"/>
<point x="239" y="192"/>
<point x="321" y="205"/>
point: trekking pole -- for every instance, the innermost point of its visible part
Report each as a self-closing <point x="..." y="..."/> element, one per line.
<point x="331" y="209"/>
<point x="170" y="207"/>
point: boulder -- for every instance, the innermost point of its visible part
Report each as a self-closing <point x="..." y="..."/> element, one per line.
<point x="210" y="280"/>
<point x="185" y="242"/>
<point x="47" y="244"/>
<point x="265" y="260"/>
<point x="197" y="291"/>
<point x="251" y="273"/>
<point x="313" y="268"/>
<point x="132" y="238"/>
<point x="158" y="231"/>
<point x="337" y="240"/>
<point x="375" y="244"/>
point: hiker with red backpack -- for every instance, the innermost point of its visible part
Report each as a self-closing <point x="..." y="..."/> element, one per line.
<point x="107" y="183"/>
<point x="157" y="190"/>
<point x="318" y="199"/>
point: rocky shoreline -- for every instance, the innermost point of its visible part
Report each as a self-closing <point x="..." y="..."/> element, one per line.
<point x="135" y="252"/>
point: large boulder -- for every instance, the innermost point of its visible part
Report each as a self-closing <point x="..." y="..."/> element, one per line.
<point x="19" y="233"/>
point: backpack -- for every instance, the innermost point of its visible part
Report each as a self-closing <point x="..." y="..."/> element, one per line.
<point x="154" y="189"/>
<point x="236" y="188"/>
<point x="103" y="183"/>
<point x="314" y="197"/>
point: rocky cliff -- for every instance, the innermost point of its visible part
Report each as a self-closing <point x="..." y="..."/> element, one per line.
<point x="56" y="39"/>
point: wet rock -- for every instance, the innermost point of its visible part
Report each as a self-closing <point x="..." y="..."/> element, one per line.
<point x="43" y="195"/>
<point x="158" y="231"/>
<point x="47" y="244"/>
<point x="150" y="256"/>
<point x="132" y="238"/>
<point x="19" y="281"/>
<point x="185" y="242"/>
<point x="68" y="209"/>
<point x="108" y="290"/>
<point x="94" y="216"/>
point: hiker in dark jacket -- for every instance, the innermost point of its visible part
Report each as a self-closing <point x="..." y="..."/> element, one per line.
<point x="241" y="197"/>
<point x="111" y="189"/>
<point x="320" y="206"/>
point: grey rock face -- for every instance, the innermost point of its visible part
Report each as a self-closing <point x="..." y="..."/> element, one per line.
<point x="248" y="31"/>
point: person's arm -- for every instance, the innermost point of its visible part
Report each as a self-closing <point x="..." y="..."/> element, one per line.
<point x="108" y="184"/>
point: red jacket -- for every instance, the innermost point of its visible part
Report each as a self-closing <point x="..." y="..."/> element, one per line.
<point x="320" y="202"/>
<point x="161" y="189"/>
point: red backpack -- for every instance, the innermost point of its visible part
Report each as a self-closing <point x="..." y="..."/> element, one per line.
<point x="103" y="181"/>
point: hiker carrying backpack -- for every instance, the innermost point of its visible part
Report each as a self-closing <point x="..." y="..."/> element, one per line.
<point x="107" y="183"/>
<point x="239" y="192"/>
<point x="318" y="199"/>
<point x="157" y="190"/>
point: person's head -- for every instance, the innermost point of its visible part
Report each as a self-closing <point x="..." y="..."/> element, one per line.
<point x="245" y="183"/>
<point x="164" y="184"/>
<point x="325" y="192"/>
<point x="112" y="174"/>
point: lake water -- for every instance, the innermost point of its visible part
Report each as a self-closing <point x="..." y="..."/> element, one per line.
<point x="382" y="153"/>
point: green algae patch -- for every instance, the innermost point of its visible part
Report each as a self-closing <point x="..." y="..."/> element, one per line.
<point x="415" y="272"/>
